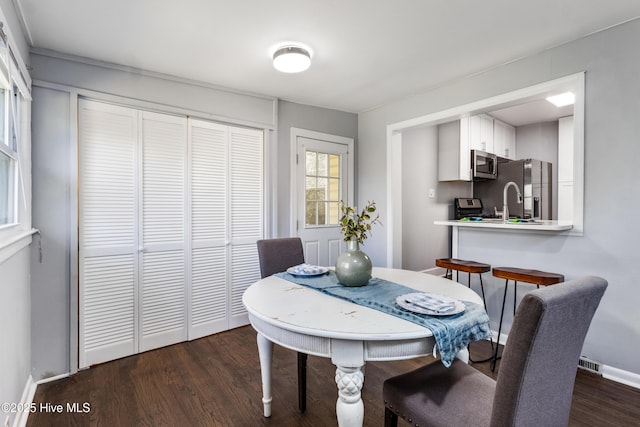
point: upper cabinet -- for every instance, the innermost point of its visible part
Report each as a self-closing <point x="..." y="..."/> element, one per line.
<point x="454" y="152"/>
<point x="565" y="169"/>
<point x="480" y="132"/>
<point x="504" y="140"/>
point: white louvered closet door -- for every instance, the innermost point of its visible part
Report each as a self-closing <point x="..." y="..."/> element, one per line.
<point x="170" y="211"/>
<point x="163" y="285"/>
<point x="108" y="256"/>
<point x="209" y="224"/>
<point x="246" y="212"/>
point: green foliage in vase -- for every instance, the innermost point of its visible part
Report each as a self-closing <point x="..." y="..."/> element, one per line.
<point x="358" y="225"/>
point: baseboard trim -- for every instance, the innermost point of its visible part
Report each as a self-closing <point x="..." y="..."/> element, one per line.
<point x="609" y="372"/>
<point x="27" y="399"/>
<point x="54" y="378"/>
<point x="620" y="376"/>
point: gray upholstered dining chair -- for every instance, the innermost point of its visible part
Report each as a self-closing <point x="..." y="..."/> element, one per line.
<point x="277" y="255"/>
<point x="537" y="373"/>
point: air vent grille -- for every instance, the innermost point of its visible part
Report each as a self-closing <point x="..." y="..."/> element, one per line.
<point x="590" y="365"/>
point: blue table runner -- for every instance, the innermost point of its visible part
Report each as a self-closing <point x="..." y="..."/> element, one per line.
<point x="452" y="333"/>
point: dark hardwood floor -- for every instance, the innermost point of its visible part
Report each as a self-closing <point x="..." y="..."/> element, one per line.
<point x="215" y="381"/>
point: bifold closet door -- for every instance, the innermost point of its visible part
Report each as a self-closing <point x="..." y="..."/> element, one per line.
<point x="108" y="217"/>
<point x="133" y="231"/>
<point x="209" y="223"/>
<point x="246" y="160"/>
<point x="163" y="232"/>
<point x="227" y="220"/>
<point x="170" y="212"/>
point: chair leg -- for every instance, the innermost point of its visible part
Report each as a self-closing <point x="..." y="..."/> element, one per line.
<point x="390" y="418"/>
<point x="302" y="381"/>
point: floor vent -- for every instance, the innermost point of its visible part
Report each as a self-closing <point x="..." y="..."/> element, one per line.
<point x="590" y="365"/>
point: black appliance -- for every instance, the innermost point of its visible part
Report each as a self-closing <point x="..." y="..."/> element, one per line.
<point x="467" y="208"/>
<point x="483" y="165"/>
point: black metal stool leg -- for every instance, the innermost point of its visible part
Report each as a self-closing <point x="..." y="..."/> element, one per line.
<point x="484" y="301"/>
<point x="485" y="307"/>
<point x="495" y="353"/>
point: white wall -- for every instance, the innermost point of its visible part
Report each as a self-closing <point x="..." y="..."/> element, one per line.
<point x="609" y="245"/>
<point x="422" y="241"/>
<point x="15" y="315"/>
<point x="15" y="290"/>
<point x="54" y="186"/>
<point x="307" y="117"/>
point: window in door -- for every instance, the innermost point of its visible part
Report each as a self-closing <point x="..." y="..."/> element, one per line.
<point x="322" y="188"/>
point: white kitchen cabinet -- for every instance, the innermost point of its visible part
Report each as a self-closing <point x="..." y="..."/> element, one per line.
<point x="454" y="155"/>
<point x="565" y="168"/>
<point x="504" y="140"/>
<point x="565" y="201"/>
<point x="565" y="149"/>
<point x="481" y="133"/>
<point x="456" y="139"/>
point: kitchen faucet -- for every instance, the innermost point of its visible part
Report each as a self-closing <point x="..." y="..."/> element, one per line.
<point x="505" y="208"/>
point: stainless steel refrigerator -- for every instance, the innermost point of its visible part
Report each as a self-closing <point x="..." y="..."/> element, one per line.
<point x="533" y="177"/>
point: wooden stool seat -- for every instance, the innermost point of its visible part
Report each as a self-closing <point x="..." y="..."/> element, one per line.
<point x="535" y="277"/>
<point x="463" y="265"/>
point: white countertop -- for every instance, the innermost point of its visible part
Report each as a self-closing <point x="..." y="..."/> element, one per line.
<point x="515" y="226"/>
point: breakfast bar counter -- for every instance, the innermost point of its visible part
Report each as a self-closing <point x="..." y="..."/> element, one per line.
<point x="497" y="225"/>
<point x="514" y="225"/>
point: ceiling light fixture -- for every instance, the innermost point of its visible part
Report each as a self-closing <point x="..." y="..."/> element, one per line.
<point x="291" y="59"/>
<point x="563" y="99"/>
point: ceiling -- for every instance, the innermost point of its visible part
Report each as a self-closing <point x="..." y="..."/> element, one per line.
<point x="366" y="53"/>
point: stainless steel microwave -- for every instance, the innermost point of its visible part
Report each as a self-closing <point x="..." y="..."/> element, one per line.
<point x="483" y="165"/>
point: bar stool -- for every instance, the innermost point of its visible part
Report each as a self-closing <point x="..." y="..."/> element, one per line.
<point x="467" y="267"/>
<point x="535" y="277"/>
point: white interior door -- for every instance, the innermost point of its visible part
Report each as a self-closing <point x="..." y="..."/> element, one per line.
<point x="324" y="177"/>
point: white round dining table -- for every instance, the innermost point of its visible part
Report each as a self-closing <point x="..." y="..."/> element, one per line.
<point x="308" y="321"/>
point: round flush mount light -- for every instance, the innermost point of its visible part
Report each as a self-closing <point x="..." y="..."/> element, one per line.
<point x="291" y="59"/>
